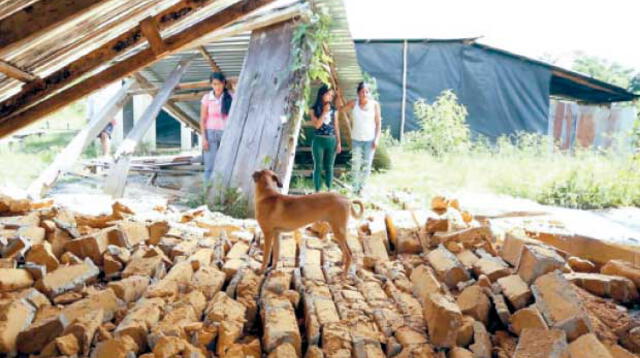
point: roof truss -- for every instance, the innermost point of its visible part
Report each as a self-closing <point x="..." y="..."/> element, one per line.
<point x="40" y="97"/>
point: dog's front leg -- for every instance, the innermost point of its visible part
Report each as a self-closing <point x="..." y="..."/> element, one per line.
<point x="266" y="250"/>
<point x="276" y="249"/>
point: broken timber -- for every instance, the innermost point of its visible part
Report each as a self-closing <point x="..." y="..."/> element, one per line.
<point x="260" y="132"/>
<point x="79" y="143"/>
<point x="115" y="182"/>
<point x="24" y="108"/>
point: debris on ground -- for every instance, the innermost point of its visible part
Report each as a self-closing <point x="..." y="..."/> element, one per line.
<point x="426" y="283"/>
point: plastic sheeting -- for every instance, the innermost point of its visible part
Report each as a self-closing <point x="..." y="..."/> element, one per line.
<point x="502" y="94"/>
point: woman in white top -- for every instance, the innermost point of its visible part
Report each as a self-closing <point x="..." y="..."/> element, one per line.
<point x="365" y="134"/>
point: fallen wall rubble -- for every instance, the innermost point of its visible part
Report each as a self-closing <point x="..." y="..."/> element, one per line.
<point x="430" y="283"/>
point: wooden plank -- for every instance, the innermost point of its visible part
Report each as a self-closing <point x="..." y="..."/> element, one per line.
<point x="170" y="106"/>
<point x="187" y="97"/>
<point x="150" y="30"/>
<point x="345" y="121"/>
<point x="582" y="81"/>
<point x="259" y="129"/>
<point x="117" y="178"/>
<point x="14" y="72"/>
<point x="10" y="122"/>
<point x="207" y="56"/>
<point x="41" y="16"/>
<point x="253" y="23"/>
<point x="192" y="85"/>
<point x="120" y="45"/>
<point x="70" y="154"/>
<point x="10" y="7"/>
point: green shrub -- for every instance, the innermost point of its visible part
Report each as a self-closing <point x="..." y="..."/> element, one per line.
<point x="443" y="127"/>
<point x="230" y="201"/>
<point x="381" y="159"/>
<point x="581" y="189"/>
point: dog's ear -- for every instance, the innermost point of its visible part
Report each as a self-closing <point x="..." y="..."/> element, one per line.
<point x="277" y="180"/>
<point x="256" y="176"/>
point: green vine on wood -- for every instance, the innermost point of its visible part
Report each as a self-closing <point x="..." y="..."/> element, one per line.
<point x="311" y="61"/>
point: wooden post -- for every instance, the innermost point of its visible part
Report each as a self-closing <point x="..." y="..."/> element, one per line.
<point x="345" y="121"/>
<point x="79" y="143"/>
<point x="116" y="180"/>
<point x="404" y="89"/>
<point x="260" y="133"/>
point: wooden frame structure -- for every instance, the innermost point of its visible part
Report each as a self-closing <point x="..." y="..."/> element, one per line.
<point x="152" y="30"/>
<point x="110" y="41"/>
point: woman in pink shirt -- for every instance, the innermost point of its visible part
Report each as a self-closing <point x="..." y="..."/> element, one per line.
<point x="214" y="111"/>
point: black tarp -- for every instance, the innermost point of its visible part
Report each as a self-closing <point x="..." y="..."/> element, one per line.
<point x="502" y="94"/>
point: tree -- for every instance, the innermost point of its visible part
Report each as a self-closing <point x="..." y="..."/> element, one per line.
<point x="603" y="70"/>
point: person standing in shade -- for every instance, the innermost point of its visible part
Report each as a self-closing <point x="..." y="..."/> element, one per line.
<point x="326" y="142"/>
<point x="105" y="138"/>
<point x="214" y="111"/>
<point x="365" y="134"/>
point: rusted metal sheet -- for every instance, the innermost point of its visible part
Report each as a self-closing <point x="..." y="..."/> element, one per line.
<point x="590" y="126"/>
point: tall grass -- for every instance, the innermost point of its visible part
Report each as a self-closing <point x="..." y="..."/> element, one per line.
<point x="21" y="163"/>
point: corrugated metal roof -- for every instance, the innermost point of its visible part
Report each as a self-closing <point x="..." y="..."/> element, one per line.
<point x="342" y="48"/>
<point x="229" y="53"/>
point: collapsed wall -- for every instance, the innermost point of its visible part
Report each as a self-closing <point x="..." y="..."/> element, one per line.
<point x="431" y="283"/>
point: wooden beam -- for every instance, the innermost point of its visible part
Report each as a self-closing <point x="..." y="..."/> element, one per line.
<point x="14" y="72"/>
<point x="170" y="106"/>
<point x="582" y="81"/>
<point x="70" y="154"/>
<point x="187" y="97"/>
<point x="41" y="16"/>
<point x="254" y="23"/>
<point x="202" y="84"/>
<point x="150" y="30"/>
<point x="71" y="73"/>
<point x="117" y="178"/>
<point x="10" y="7"/>
<point x="192" y="85"/>
<point x="11" y="121"/>
<point x="345" y="121"/>
<point x="207" y="56"/>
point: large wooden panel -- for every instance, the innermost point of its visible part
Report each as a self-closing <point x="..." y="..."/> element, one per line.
<point x="259" y="134"/>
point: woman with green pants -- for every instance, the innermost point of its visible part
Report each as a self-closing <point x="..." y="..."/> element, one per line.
<point x="326" y="142"/>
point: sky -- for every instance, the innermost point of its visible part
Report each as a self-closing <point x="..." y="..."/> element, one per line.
<point x="609" y="29"/>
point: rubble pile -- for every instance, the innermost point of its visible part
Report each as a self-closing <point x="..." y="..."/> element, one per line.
<point x="430" y="283"/>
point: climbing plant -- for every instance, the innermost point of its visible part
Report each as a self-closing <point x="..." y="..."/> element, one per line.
<point x="311" y="60"/>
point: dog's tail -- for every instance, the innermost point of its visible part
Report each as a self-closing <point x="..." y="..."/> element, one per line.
<point x="355" y="214"/>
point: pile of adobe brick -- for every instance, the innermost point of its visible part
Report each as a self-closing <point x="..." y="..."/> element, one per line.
<point x="432" y="283"/>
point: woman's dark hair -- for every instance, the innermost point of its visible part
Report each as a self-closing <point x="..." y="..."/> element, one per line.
<point x="319" y="105"/>
<point x="226" y="97"/>
<point x="361" y="85"/>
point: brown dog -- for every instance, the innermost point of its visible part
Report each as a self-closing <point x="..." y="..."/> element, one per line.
<point x="278" y="213"/>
